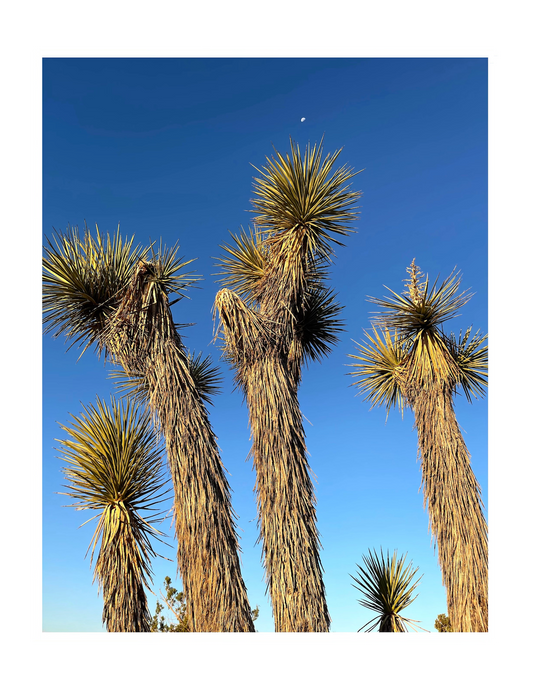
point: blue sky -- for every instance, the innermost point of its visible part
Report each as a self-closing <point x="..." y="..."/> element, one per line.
<point x="165" y="147"/>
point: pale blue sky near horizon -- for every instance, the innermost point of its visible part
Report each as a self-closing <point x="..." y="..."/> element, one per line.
<point x="164" y="147"/>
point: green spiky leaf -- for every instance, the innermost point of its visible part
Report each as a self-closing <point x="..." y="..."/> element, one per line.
<point x="387" y="586"/>
<point x="244" y="269"/>
<point x="472" y="362"/>
<point x="303" y="193"/>
<point x="320" y="324"/>
<point x="207" y="377"/>
<point x="426" y="312"/>
<point x="378" y="367"/>
<point x="83" y="277"/>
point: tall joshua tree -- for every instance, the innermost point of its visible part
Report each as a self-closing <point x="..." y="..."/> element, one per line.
<point x="276" y="315"/>
<point x="408" y="359"/>
<point x="114" y="467"/>
<point x="111" y="295"/>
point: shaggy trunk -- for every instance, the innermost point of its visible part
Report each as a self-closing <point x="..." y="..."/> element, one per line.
<point x="285" y="496"/>
<point x="286" y="500"/>
<point x="453" y="499"/>
<point x="125" y="604"/>
<point x="208" y="551"/>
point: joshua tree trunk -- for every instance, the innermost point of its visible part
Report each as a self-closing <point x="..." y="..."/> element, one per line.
<point x="208" y="552"/>
<point x="286" y="501"/>
<point x="388" y="625"/>
<point x="453" y="499"/>
<point x="125" y="604"/>
<point x="284" y="489"/>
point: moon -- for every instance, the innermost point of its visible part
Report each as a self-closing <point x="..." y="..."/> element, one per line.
<point x="302" y="120"/>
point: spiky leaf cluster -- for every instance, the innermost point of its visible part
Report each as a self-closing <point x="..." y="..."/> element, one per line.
<point x="85" y="277"/>
<point x="245" y="267"/>
<point x="471" y="357"/>
<point x="387" y="586"/>
<point x="422" y="309"/>
<point x="408" y="347"/>
<point x="303" y="193"/>
<point x="380" y="361"/>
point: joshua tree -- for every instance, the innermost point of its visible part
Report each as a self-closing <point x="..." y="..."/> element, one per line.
<point x="276" y="315"/>
<point x="387" y="589"/>
<point x="410" y="360"/>
<point x="113" y="296"/>
<point x="115" y="469"/>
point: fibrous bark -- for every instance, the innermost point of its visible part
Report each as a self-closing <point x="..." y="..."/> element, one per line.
<point x="143" y="338"/>
<point x="453" y="499"/>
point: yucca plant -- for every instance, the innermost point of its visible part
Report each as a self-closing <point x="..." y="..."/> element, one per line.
<point x="387" y="586"/>
<point x="111" y="295"/>
<point x="275" y="315"/>
<point x="408" y="360"/>
<point x="115" y="469"/>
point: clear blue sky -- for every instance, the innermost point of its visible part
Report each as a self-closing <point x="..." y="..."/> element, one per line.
<point x="164" y="147"/>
